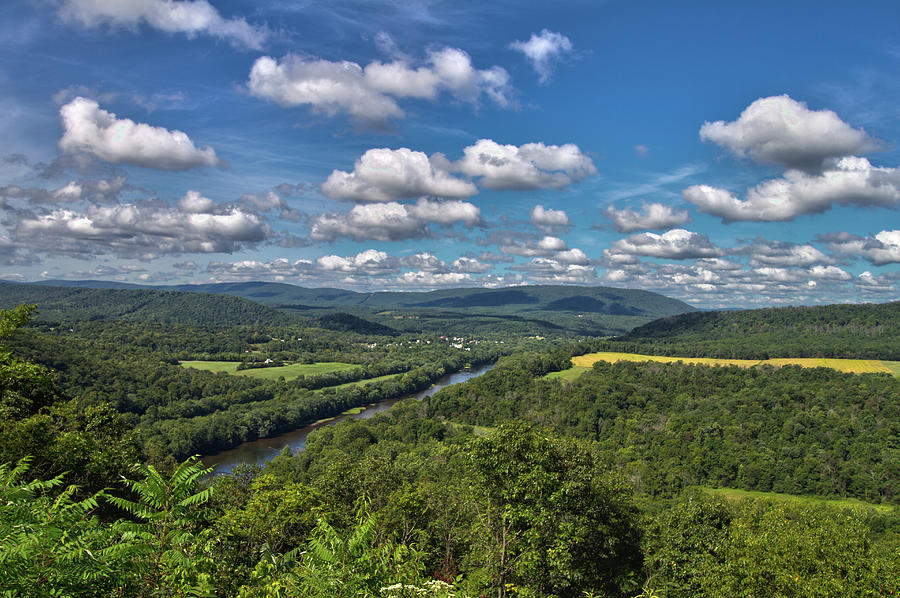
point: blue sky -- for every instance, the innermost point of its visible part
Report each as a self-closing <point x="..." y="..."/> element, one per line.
<point x="728" y="155"/>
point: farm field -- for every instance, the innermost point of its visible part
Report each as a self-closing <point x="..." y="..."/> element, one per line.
<point x="734" y="494"/>
<point x="288" y="371"/>
<point x="569" y="374"/>
<point x="853" y="366"/>
<point x="365" y="381"/>
<point x="894" y="366"/>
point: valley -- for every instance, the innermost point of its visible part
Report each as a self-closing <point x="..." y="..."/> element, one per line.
<point x="611" y="452"/>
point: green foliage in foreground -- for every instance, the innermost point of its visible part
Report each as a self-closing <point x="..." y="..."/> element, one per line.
<point x="175" y="541"/>
<point x="49" y="543"/>
<point x="54" y="545"/>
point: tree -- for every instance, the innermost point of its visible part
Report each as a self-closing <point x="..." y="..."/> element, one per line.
<point x="785" y="550"/>
<point x="25" y="387"/>
<point x="685" y="542"/>
<point x="549" y="519"/>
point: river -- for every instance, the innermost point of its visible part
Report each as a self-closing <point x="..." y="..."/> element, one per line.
<point x="260" y="451"/>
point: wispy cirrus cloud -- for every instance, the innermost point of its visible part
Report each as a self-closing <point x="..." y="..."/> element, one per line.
<point x="544" y="50"/>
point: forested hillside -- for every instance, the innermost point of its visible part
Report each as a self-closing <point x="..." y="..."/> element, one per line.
<point x="868" y="331"/>
<point x="671" y="426"/>
<point x="608" y="300"/>
<point x="569" y="311"/>
<point x="139" y="305"/>
<point x="134" y="368"/>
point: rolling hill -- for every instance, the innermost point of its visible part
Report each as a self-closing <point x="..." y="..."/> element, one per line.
<point x="570" y="310"/>
<point x="865" y="331"/>
<point x="139" y="305"/>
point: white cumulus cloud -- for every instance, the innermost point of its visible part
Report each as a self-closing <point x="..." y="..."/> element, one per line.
<point x="548" y="218"/>
<point x="545" y="246"/>
<point x="772" y="253"/>
<point x="676" y="244"/>
<point x="850" y="181"/>
<point x="371" y="261"/>
<point x="89" y="129"/>
<point x="190" y="17"/>
<point x="544" y="270"/>
<point x="392" y="221"/>
<point x="572" y="256"/>
<point x="781" y="130"/>
<point x="880" y="249"/>
<point x="383" y="175"/>
<point x="141" y="231"/>
<point x="98" y="191"/>
<point x="446" y="212"/>
<point x="370" y="93"/>
<point x="526" y="167"/>
<point x="195" y="203"/>
<point x="470" y="265"/>
<point x="653" y="216"/>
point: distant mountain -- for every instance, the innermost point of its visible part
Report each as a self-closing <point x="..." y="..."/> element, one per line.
<point x="89" y="284"/>
<point x="527" y="309"/>
<point x="606" y="300"/>
<point x="141" y="305"/>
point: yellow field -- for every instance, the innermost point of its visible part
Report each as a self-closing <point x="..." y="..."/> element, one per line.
<point x="853" y="366"/>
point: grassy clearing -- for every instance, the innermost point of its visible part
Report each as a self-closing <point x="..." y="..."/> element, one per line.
<point x="354" y="410"/>
<point x="733" y="494"/>
<point x="569" y="374"/>
<point x="893" y="366"/>
<point x="229" y="367"/>
<point x="366" y="381"/>
<point x="853" y="366"/>
<point x="288" y="371"/>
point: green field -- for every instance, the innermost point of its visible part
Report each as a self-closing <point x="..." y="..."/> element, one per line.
<point x="569" y="374"/>
<point x="734" y="494"/>
<point x="288" y="371"/>
<point x="365" y="381"/>
<point x="894" y="366"/>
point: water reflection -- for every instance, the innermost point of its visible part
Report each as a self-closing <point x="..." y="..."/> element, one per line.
<point x="260" y="451"/>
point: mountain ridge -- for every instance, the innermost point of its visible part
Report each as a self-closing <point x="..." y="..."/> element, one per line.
<point x="530" y="309"/>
